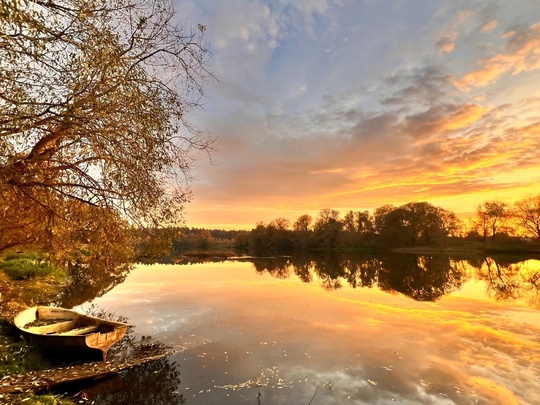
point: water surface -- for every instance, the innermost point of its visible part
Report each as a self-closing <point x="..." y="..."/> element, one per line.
<point x="246" y="335"/>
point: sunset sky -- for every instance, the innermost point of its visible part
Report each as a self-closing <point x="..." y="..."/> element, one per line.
<point x="351" y="105"/>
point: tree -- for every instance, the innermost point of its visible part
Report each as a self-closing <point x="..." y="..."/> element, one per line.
<point x="364" y="222"/>
<point x="379" y="217"/>
<point x="94" y="97"/>
<point x="348" y="222"/>
<point x="328" y="227"/>
<point x="303" y="223"/>
<point x="326" y="216"/>
<point x="491" y="215"/>
<point x="413" y="224"/>
<point x="280" y="224"/>
<point x="302" y="234"/>
<point x="527" y="212"/>
<point x="449" y="222"/>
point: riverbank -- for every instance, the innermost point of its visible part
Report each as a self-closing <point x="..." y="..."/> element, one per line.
<point x="461" y="247"/>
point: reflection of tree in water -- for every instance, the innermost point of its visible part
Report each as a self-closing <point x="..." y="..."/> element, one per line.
<point x="302" y="268"/>
<point x="423" y="278"/>
<point x="503" y="285"/>
<point x="419" y="277"/>
<point x="361" y="271"/>
<point x="153" y="383"/>
<point x="91" y="280"/>
<point x="278" y="267"/>
<point x="533" y="287"/>
<point x="330" y="270"/>
<point x="511" y="280"/>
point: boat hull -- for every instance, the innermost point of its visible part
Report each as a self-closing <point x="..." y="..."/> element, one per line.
<point x="65" y="330"/>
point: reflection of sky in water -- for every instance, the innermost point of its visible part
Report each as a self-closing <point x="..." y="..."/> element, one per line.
<point x="303" y="343"/>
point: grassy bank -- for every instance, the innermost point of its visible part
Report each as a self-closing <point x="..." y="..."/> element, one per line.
<point x="26" y="280"/>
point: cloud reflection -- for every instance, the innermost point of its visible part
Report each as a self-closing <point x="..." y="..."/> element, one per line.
<point x="359" y="344"/>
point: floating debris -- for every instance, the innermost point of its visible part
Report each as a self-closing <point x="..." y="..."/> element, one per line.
<point x="372" y="382"/>
<point x="262" y="381"/>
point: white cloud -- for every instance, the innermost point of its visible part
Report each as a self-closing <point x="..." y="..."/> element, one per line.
<point x="246" y="23"/>
<point x="310" y="7"/>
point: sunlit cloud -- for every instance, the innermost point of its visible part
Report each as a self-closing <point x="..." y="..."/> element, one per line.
<point x="489" y="26"/>
<point x="439" y="119"/>
<point x="522" y="55"/>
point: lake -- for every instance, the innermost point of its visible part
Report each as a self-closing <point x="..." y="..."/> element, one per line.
<point x="403" y="329"/>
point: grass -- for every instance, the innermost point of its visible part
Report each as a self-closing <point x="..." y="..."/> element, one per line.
<point x="26" y="266"/>
<point x="28" y="279"/>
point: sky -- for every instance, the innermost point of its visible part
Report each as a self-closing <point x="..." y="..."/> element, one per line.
<point x="354" y="104"/>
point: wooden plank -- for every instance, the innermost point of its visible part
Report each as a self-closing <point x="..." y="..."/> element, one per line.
<point x="55" y="313"/>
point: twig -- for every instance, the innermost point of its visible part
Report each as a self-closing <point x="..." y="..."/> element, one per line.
<point x="313" y="397"/>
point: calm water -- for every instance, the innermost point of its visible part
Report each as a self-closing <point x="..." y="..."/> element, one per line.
<point x="290" y="334"/>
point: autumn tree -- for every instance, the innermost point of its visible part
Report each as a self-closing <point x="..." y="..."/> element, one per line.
<point x="413" y="224"/>
<point x="94" y="98"/>
<point x="527" y="212"/>
<point x="491" y="216"/>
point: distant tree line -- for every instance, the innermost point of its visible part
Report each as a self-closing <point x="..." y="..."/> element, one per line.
<point x="201" y="238"/>
<point x="410" y="225"/>
<point x="414" y="224"/>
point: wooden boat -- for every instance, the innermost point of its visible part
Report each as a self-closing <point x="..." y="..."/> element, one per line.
<point x="64" y="330"/>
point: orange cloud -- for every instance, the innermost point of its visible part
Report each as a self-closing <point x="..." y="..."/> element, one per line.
<point x="523" y="54"/>
<point x="494" y="390"/>
<point x="465" y="115"/>
<point x="489" y="26"/>
<point x="440" y="119"/>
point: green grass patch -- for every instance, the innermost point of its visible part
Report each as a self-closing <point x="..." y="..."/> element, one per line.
<point x="26" y="266"/>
